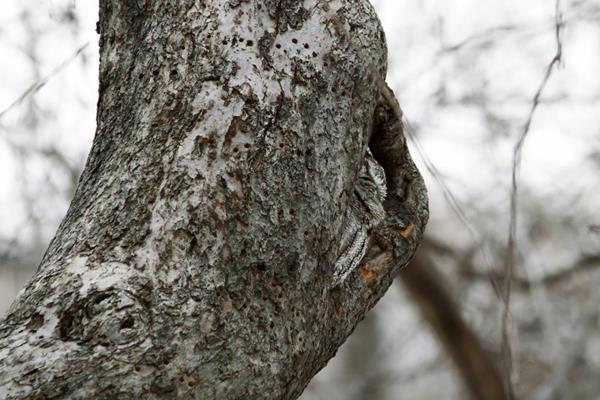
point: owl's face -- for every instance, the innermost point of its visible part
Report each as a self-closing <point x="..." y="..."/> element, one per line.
<point x="376" y="174"/>
<point x="365" y="211"/>
<point x="371" y="187"/>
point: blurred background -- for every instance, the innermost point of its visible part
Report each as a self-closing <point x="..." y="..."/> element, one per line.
<point x="482" y="84"/>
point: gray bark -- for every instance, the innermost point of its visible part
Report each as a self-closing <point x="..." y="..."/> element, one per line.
<point x="196" y="258"/>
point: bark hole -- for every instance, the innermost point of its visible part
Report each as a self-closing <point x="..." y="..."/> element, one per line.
<point x="105" y="317"/>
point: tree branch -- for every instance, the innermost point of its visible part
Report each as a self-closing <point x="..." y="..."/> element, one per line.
<point x="512" y="230"/>
<point x="478" y="370"/>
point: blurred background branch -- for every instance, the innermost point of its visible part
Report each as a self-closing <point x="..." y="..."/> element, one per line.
<point x="477" y="367"/>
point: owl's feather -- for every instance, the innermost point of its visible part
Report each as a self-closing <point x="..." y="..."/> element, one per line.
<point x="365" y="212"/>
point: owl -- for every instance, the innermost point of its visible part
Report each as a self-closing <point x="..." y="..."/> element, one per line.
<point x="364" y="212"/>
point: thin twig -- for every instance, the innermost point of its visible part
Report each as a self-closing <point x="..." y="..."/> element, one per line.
<point x="36" y="86"/>
<point x="517" y="156"/>
<point x="586" y="263"/>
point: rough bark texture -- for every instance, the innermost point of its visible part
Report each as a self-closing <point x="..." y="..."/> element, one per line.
<point x="196" y="258"/>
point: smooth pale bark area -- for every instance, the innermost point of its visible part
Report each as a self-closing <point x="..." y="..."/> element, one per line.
<point x="196" y="258"/>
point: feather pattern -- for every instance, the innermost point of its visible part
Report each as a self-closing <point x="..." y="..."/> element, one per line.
<point x="365" y="212"/>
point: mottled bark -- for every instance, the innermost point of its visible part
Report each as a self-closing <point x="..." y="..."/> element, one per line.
<point x="196" y="258"/>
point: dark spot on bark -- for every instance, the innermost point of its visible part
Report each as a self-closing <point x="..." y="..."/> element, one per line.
<point x="141" y="76"/>
<point x="249" y="43"/>
<point x="174" y="74"/>
<point x="35" y="322"/>
<point x="136" y="368"/>
<point x="264" y="48"/>
<point x="236" y="3"/>
<point x="100" y="297"/>
<point x="127" y="323"/>
<point x="65" y="325"/>
<point x="234" y="128"/>
<point x="163" y="385"/>
<point x="247" y="145"/>
<point x="295" y="41"/>
<point x="31" y="372"/>
<point x="223" y="182"/>
<point x="135" y="16"/>
<point x="314" y="54"/>
<point x="278" y="45"/>
<point x="259" y="267"/>
<point x="102" y="340"/>
<point x="306" y="46"/>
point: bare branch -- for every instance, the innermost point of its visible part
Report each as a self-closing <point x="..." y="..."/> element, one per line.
<point x="517" y="155"/>
<point x="36" y="86"/>
<point x="586" y="263"/>
<point x="477" y="369"/>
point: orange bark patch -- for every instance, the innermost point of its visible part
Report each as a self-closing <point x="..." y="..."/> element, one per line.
<point x="338" y="310"/>
<point x="367" y="274"/>
<point x="407" y="232"/>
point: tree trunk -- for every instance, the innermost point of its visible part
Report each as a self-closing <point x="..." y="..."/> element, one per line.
<point x="196" y="258"/>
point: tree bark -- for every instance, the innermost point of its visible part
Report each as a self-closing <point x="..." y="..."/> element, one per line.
<point x="195" y="260"/>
